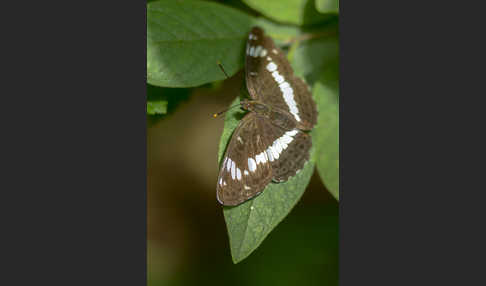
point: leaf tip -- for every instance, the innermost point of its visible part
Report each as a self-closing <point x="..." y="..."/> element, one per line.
<point x="237" y="258"/>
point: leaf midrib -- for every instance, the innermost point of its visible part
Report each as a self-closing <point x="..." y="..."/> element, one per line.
<point x="246" y="230"/>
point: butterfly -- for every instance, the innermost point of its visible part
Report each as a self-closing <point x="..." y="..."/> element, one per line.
<point x="269" y="143"/>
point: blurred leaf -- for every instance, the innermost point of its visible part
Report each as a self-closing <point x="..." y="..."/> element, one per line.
<point x="300" y="12"/>
<point x="281" y="34"/>
<point x="328" y="139"/>
<point x="327" y="6"/>
<point x="186" y="39"/>
<point x="292" y="49"/>
<point x="157" y="107"/>
<point x="309" y="238"/>
<point x="313" y="57"/>
<point x="249" y="223"/>
<point x="303" y="250"/>
<point x="318" y="61"/>
<point x="172" y="97"/>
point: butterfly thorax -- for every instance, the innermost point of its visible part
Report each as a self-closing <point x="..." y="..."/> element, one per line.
<point x="257" y="107"/>
<point x="278" y="117"/>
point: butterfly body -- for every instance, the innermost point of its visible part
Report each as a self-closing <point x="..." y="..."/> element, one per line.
<point x="278" y="117"/>
<point x="269" y="143"/>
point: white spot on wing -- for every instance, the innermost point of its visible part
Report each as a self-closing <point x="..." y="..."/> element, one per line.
<point x="239" y="139"/>
<point x="238" y="174"/>
<point x="287" y="92"/>
<point x="246" y="187"/>
<point x="271" y="67"/>
<point x="224" y="162"/>
<point x="292" y="133"/>
<point x="274" y="51"/>
<point x="278" y="78"/>
<point x="263" y="53"/>
<point x="257" y="50"/>
<point x="233" y="170"/>
<point x="252" y="48"/>
<point x="257" y="159"/>
<point x="253" y="73"/>
<point x="252" y="164"/>
<point x="246" y="173"/>
<point x="263" y="157"/>
<point x="286" y="139"/>
<point x="274" y="152"/>
<point x="282" y="143"/>
<point x="269" y="154"/>
<point x="285" y="86"/>
<point x="277" y="146"/>
<point x="228" y="164"/>
<point x="260" y="158"/>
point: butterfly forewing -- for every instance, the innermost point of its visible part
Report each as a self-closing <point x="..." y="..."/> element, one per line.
<point x="245" y="168"/>
<point x="270" y="79"/>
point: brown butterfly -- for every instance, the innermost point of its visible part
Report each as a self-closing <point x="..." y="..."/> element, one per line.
<point x="269" y="142"/>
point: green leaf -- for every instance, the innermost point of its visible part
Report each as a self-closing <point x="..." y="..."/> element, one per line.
<point x="249" y="223"/>
<point x="156" y="107"/>
<point x="327" y="139"/>
<point x="313" y="57"/>
<point x="318" y="61"/>
<point x="281" y="34"/>
<point x="299" y="12"/>
<point x="186" y="39"/>
<point x="327" y="6"/>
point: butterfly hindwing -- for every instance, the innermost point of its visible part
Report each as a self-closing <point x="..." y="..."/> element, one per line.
<point x="296" y="145"/>
<point x="271" y="79"/>
<point x="245" y="169"/>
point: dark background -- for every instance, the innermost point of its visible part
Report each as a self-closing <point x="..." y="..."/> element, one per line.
<point x="187" y="243"/>
<point x="74" y="150"/>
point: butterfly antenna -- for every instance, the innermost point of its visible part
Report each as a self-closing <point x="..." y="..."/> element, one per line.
<point x="227" y="76"/>
<point x="221" y="112"/>
<point x="222" y="69"/>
